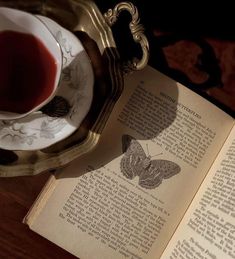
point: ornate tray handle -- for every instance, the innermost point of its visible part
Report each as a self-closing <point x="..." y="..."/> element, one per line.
<point x="137" y="31"/>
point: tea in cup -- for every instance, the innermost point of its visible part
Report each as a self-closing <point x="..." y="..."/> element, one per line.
<point x="30" y="64"/>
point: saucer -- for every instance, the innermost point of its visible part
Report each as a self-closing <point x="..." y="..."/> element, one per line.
<point x="38" y="130"/>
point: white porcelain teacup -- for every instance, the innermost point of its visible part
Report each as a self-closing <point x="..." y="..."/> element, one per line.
<point x="30" y="64"/>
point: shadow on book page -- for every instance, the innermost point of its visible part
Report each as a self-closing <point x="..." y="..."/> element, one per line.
<point x="141" y="126"/>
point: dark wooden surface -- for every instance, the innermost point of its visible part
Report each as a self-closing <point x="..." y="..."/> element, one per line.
<point x="16" y="239"/>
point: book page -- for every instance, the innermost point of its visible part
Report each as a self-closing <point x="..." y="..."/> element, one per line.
<point x="208" y="229"/>
<point x="125" y="198"/>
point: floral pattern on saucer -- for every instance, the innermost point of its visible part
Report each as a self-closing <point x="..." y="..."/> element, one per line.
<point x="37" y="130"/>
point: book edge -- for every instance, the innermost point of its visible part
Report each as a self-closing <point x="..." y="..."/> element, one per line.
<point x="40" y="201"/>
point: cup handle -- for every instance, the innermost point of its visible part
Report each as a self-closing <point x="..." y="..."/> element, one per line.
<point x="137" y="31"/>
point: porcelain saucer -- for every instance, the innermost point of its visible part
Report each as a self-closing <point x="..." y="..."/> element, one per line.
<point x="37" y="130"/>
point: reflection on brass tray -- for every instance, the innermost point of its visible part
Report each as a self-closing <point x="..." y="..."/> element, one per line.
<point x="57" y="107"/>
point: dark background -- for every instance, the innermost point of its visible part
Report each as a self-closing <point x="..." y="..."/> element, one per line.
<point x="186" y="27"/>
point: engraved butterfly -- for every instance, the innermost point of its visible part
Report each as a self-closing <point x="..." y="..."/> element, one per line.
<point x="136" y="163"/>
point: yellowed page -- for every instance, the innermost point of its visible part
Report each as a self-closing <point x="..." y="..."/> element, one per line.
<point x="208" y="228"/>
<point x="125" y="199"/>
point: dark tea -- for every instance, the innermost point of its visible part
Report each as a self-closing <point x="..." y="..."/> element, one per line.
<point x="28" y="72"/>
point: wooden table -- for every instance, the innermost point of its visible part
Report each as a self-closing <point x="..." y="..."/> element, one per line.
<point x="16" y="239"/>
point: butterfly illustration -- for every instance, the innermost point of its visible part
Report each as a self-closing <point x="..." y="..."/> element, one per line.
<point x="136" y="163"/>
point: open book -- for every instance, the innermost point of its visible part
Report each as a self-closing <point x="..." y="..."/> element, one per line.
<point x="160" y="183"/>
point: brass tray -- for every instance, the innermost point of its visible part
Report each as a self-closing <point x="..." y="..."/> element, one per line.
<point x="84" y="19"/>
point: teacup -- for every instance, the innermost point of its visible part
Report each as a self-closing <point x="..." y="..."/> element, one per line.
<point x="30" y="64"/>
